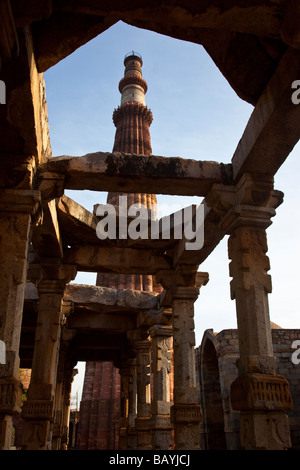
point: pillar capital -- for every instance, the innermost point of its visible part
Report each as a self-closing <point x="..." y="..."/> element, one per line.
<point x="21" y="200"/>
<point x="160" y="330"/>
<point x="52" y="269"/>
<point x="251" y="202"/>
<point x="183" y="275"/>
<point x="182" y="283"/>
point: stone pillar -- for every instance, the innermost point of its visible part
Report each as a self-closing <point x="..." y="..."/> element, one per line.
<point x="64" y="379"/>
<point x="38" y="409"/>
<point x="161" y="356"/>
<point x="17" y="208"/>
<point x="142" y="422"/>
<point x="132" y="405"/>
<point x="66" y="405"/>
<point x="182" y="287"/>
<point x="259" y="394"/>
<point x="124" y="374"/>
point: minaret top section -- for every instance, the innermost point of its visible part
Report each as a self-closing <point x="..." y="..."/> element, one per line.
<point x="132" y="86"/>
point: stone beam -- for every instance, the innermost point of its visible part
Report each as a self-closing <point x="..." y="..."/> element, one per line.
<point x="290" y="29"/>
<point x="273" y="128"/>
<point x="93" y="258"/>
<point x="9" y="46"/>
<point x="92" y="320"/>
<point x="127" y="173"/>
<point x="93" y="296"/>
<point x="241" y="17"/>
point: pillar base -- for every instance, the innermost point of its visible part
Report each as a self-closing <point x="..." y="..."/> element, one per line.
<point x="144" y="433"/>
<point x="6" y="426"/>
<point x="131" y="438"/>
<point x="263" y="400"/>
<point x="162" y="432"/>
<point x="265" y="430"/>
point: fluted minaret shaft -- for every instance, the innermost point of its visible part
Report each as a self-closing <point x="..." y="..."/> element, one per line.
<point x="132" y="120"/>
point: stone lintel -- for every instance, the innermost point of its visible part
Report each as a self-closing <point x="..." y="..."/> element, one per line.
<point x="261" y="392"/>
<point x="94" y="258"/>
<point x="127" y="298"/>
<point x="129" y="172"/>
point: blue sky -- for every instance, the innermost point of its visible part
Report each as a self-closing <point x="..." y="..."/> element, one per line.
<point x="196" y="115"/>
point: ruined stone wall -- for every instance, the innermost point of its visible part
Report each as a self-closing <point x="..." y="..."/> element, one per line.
<point x="283" y="351"/>
<point x="224" y="348"/>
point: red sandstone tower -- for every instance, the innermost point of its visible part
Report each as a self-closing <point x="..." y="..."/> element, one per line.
<point x="100" y="404"/>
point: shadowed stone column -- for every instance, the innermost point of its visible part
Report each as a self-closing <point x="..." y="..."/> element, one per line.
<point x="123" y="423"/>
<point x="63" y="383"/>
<point x="132" y="405"/>
<point x="142" y="421"/>
<point x="161" y="342"/>
<point x="182" y="287"/>
<point x="38" y="409"/>
<point x="262" y="396"/>
<point x="66" y="404"/>
<point x="17" y="208"/>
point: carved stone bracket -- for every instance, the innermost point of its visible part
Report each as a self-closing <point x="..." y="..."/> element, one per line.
<point x="252" y="202"/>
<point x="261" y="392"/>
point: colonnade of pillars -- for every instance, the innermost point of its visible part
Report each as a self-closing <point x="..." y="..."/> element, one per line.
<point x="261" y="396"/>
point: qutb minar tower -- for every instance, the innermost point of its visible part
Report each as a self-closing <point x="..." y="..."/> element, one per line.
<point x="100" y="404"/>
<point x="132" y="120"/>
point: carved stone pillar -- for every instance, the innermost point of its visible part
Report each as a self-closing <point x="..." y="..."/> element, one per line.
<point x="182" y="287"/>
<point x="17" y="208"/>
<point x="132" y="405"/>
<point x="161" y="355"/>
<point x="260" y="394"/>
<point x="38" y="409"/>
<point x="142" y="422"/>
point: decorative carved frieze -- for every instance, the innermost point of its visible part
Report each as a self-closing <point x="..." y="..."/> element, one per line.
<point x="38" y="409"/>
<point x="186" y="414"/>
<point x="261" y="392"/>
